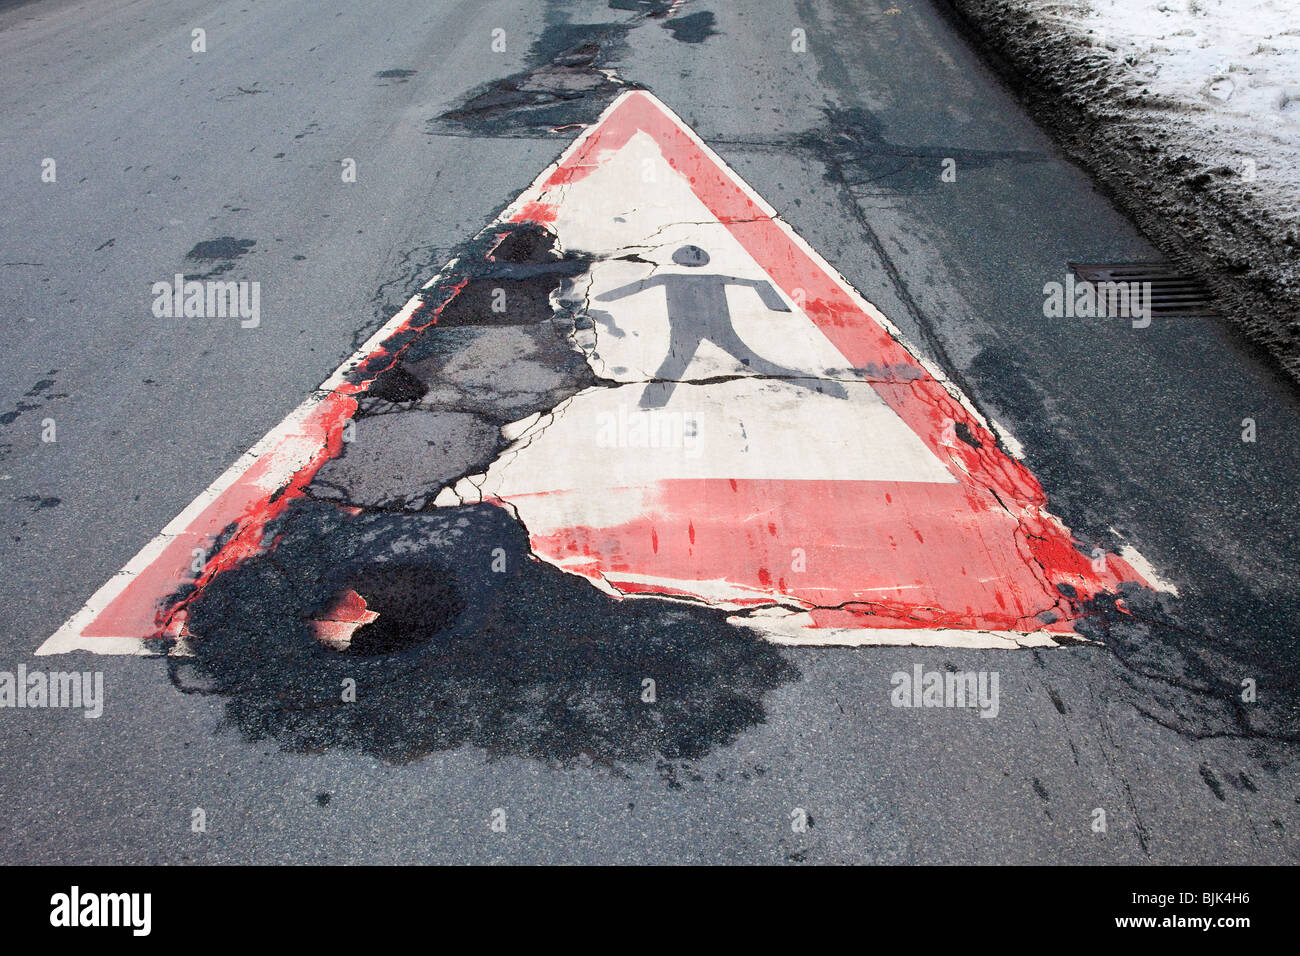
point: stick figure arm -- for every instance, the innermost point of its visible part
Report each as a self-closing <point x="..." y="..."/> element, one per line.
<point x="632" y="288"/>
<point x="766" y="292"/>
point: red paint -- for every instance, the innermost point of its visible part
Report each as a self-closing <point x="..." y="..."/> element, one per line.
<point x="978" y="570"/>
<point x="337" y="623"/>
<point x="145" y="608"/>
<point x="140" y="608"/>
<point x="537" y="212"/>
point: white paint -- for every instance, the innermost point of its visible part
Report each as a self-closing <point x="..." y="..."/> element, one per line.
<point x="795" y="629"/>
<point x="742" y="429"/>
<point x="1008" y="441"/>
<point x="514" y="430"/>
<point x="1143" y="567"/>
<point x="719" y="592"/>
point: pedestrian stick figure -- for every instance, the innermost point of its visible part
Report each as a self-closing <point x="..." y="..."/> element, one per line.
<point x="698" y="312"/>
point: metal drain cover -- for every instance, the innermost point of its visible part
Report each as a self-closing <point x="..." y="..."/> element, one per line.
<point x="1173" y="293"/>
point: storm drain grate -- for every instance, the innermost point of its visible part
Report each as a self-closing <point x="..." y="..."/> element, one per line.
<point x="1173" y="293"/>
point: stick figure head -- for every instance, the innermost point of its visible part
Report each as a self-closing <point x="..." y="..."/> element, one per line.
<point x="691" y="256"/>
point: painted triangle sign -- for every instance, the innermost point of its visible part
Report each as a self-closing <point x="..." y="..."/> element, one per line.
<point x="762" y="440"/>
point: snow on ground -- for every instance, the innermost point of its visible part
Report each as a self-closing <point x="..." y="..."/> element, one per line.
<point x="1237" y="60"/>
<point x="1189" y="112"/>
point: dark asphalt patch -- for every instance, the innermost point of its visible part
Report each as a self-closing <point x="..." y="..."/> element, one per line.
<point x="964" y="433"/>
<point x="1212" y="782"/>
<point x="416" y="602"/>
<point x="40" y="390"/>
<point x="397" y="385"/>
<point x="9" y="417"/>
<point x="570" y="79"/>
<point x="221" y="253"/>
<point x="510" y="279"/>
<point x="519" y="300"/>
<point x="400" y="75"/>
<point x="525" y="660"/>
<point x="695" y="28"/>
<point x="41" y="502"/>
<point x="566" y="85"/>
<point x="226" y="247"/>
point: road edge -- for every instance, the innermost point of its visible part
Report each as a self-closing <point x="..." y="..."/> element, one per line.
<point x="1190" y="211"/>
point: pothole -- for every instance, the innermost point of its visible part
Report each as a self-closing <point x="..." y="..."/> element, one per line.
<point x="398" y="607"/>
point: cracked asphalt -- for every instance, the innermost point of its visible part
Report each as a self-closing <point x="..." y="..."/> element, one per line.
<point x="226" y="163"/>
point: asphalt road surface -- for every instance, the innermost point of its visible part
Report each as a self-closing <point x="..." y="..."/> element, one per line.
<point x="502" y="716"/>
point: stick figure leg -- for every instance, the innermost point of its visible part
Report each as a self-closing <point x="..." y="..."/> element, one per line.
<point x="681" y="349"/>
<point x="729" y="341"/>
